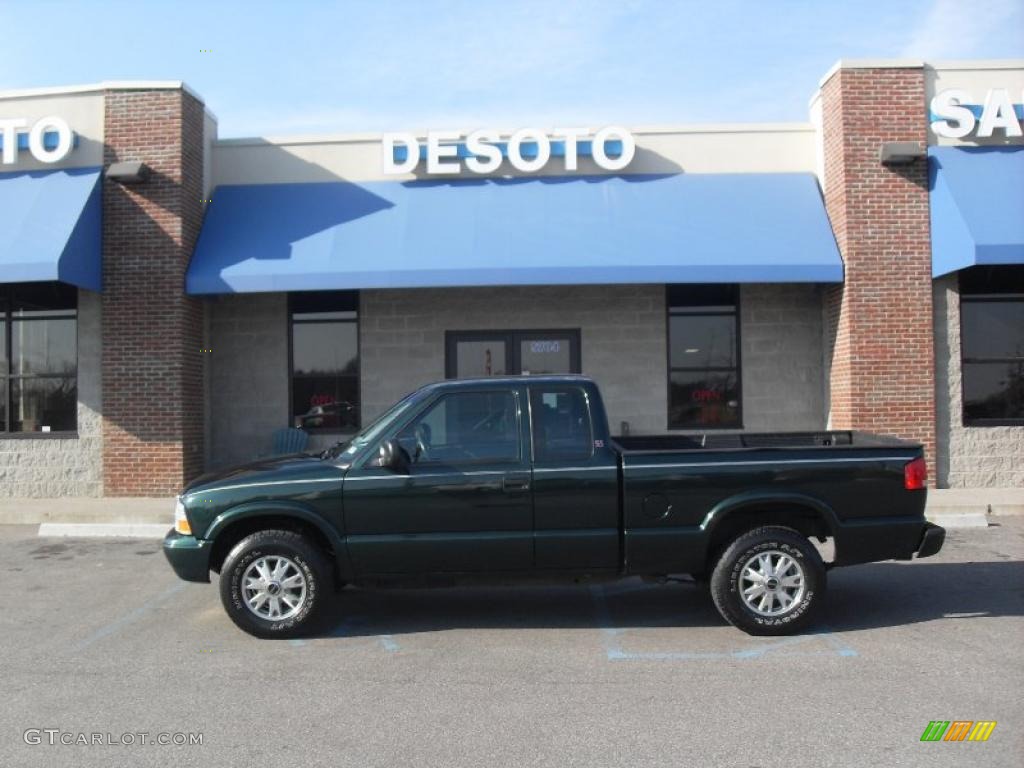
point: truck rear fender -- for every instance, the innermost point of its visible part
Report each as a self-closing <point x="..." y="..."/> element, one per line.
<point x="742" y="512"/>
<point x="232" y="525"/>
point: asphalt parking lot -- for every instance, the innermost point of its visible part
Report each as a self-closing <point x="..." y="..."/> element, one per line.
<point x="100" y="637"/>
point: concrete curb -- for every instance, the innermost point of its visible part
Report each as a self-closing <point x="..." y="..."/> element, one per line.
<point x="127" y="530"/>
<point x="997" y="502"/>
<point x="960" y="519"/>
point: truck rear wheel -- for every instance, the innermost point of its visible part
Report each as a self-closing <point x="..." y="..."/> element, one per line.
<point x="274" y="584"/>
<point x="769" y="581"/>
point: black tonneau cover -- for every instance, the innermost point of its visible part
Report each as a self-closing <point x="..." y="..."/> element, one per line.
<point x="737" y="440"/>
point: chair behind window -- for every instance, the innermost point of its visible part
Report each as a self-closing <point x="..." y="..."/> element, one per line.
<point x="289" y="440"/>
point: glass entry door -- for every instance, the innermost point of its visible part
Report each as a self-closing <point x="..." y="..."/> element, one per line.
<point x="470" y="354"/>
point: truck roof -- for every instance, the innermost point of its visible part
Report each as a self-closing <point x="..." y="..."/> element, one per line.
<point x="562" y="378"/>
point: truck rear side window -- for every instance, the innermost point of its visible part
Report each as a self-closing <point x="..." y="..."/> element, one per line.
<point x="561" y="424"/>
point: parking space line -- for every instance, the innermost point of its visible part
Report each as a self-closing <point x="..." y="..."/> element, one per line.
<point x="840" y="647"/>
<point x="124" y="621"/>
<point x="614" y="651"/>
<point x="341" y="630"/>
<point x="604" y="618"/>
<point x="761" y="650"/>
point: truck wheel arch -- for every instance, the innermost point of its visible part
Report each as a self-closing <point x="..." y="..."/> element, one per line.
<point x="734" y="516"/>
<point x="234" y="524"/>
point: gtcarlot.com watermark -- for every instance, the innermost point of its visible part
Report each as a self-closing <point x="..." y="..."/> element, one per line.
<point x="57" y="737"/>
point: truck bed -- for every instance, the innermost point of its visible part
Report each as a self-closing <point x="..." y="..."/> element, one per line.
<point x="675" y="488"/>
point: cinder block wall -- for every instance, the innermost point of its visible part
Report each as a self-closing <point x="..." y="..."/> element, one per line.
<point x="152" y="331"/>
<point x="623" y="345"/>
<point x="622" y="330"/>
<point x="782" y="358"/>
<point x="248" y="372"/>
<point x="968" y="457"/>
<point x="51" y="467"/>
<point x="880" y="342"/>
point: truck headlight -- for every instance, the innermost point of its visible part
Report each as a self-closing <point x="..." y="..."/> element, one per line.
<point x="180" y="520"/>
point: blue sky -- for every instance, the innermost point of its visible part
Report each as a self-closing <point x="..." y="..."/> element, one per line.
<point x="311" y="67"/>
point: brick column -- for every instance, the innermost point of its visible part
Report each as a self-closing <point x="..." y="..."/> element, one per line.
<point x="880" y="320"/>
<point x="152" y="332"/>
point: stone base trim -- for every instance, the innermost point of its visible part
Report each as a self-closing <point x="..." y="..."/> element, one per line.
<point x="107" y="510"/>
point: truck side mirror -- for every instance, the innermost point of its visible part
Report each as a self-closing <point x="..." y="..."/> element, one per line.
<point x="392" y="456"/>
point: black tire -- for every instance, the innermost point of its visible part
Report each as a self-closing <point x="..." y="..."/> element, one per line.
<point x="309" y="560"/>
<point x="726" y="588"/>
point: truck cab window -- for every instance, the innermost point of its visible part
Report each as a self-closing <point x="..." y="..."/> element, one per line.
<point x="561" y="424"/>
<point x="465" y="426"/>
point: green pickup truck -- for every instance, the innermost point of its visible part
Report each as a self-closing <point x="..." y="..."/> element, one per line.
<point x="518" y="478"/>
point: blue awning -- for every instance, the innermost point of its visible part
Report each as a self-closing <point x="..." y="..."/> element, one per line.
<point x="976" y="196"/>
<point x="523" y="231"/>
<point x="51" y="227"/>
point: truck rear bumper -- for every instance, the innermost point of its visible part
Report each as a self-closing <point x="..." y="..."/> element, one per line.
<point x="887" y="538"/>
<point x="931" y="540"/>
<point x="188" y="556"/>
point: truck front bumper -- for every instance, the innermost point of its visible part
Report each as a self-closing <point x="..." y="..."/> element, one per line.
<point x="188" y="556"/>
<point x="931" y="540"/>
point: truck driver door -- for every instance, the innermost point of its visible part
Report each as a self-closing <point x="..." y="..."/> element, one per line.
<point x="465" y="505"/>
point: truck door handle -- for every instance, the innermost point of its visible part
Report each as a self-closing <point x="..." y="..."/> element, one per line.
<point x="515" y="483"/>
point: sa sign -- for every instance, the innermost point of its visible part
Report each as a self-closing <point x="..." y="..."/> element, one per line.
<point x="37" y="143"/>
<point x="952" y="118"/>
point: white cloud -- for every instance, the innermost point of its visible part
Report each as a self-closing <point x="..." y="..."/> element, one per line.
<point x="965" y="28"/>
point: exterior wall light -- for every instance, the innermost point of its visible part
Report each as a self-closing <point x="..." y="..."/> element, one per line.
<point x="900" y="152"/>
<point x="130" y="172"/>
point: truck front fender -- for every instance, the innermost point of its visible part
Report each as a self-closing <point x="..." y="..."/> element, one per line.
<point x="284" y="509"/>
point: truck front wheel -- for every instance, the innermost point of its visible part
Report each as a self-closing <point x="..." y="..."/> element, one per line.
<point x="769" y="581"/>
<point x="274" y="584"/>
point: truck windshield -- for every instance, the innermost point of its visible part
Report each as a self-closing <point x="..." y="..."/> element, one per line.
<point x="370" y="432"/>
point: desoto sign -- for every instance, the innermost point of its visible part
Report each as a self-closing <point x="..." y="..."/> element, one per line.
<point x="49" y="139"/>
<point x="527" y="150"/>
<point x="954" y="116"/>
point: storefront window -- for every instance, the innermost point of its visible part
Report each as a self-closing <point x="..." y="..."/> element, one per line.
<point x="325" y="360"/>
<point x="992" y="342"/>
<point x="38" y="358"/>
<point x="703" y="357"/>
